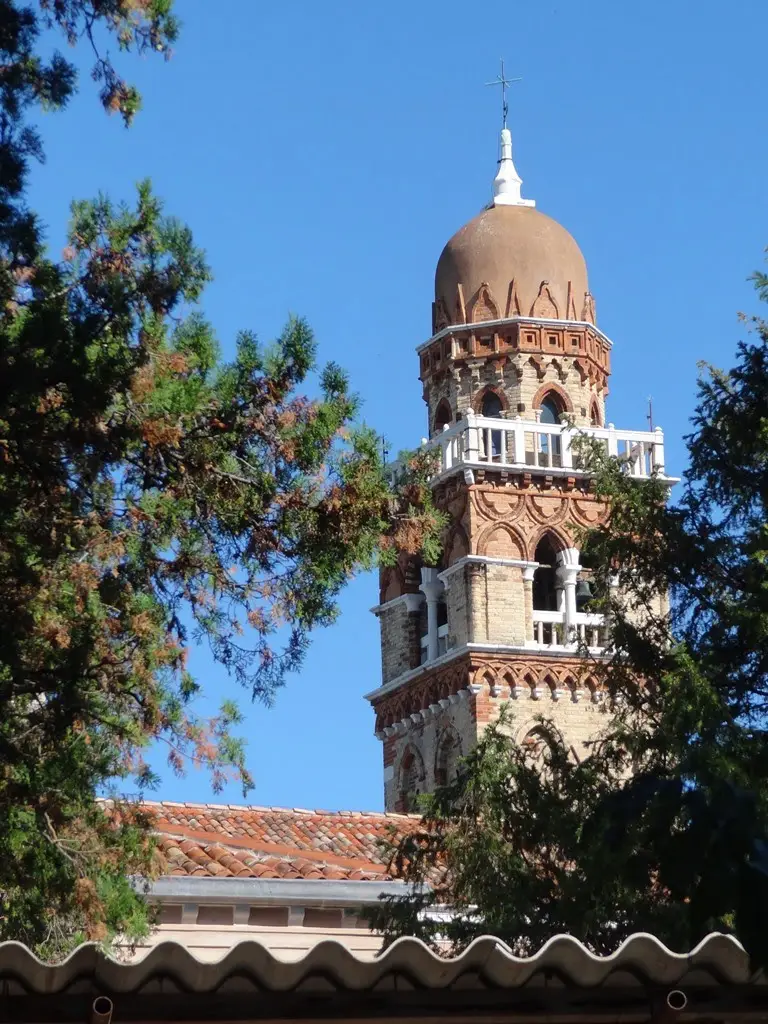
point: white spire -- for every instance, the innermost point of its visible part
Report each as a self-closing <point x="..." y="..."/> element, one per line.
<point x="506" y="184"/>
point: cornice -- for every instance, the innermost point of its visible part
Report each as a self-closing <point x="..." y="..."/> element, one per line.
<point x="507" y="320"/>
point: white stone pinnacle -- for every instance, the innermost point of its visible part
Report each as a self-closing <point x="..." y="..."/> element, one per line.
<point x="506" y="184"/>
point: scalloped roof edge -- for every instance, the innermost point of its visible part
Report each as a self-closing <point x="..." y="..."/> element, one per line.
<point x="641" y="955"/>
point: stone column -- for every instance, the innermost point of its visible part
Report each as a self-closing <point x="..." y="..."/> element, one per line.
<point x="431" y="587"/>
<point x="568" y="576"/>
<point x="528" y="572"/>
<point x="478" y="610"/>
<point x="567" y="572"/>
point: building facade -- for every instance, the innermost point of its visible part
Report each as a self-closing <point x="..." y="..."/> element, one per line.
<point x="516" y="366"/>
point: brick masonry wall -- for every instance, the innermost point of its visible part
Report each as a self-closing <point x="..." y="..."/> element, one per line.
<point x="518" y="379"/>
<point x="400" y="640"/>
<point x="579" y="722"/>
<point x="457" y="602"/>
<point x="424" y="739"/>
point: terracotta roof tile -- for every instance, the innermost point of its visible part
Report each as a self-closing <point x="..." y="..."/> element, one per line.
<point x="273" y="842"/>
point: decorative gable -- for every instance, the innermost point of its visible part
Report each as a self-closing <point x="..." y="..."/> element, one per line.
<point x="544" y="305"/>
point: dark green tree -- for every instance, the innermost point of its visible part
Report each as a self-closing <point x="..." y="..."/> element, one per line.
<point x="662" y="827"/>
<point x="151" y="496"/>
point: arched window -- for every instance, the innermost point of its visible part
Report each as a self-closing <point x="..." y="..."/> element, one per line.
<point x="492" y="405"/>
<point x="411" y="779"/>
<point x="493" y="408"/>
<point x="443" y="416"/>
<point x="448" y="754"/>
<point x="537" y="744"/>
<point x="550" y="445"/>
<point x="550" y="410"/>
<point x="594" y="415"/>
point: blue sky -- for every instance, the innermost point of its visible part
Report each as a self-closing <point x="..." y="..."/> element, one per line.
<point x="324" y="153"/>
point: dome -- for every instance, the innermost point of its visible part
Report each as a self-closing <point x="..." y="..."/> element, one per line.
<point x="511" y="260"/>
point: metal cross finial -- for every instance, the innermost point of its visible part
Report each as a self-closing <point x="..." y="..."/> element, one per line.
<point x="504" y="82"/>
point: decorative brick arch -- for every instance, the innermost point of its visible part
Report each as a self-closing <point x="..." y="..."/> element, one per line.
<point x="457" y="545"/>
<point x="560" y="542"/>
<point x="447" y="755"/>
<point x="441" y="316"/>
<point x="483" y="305"/>
<point x="545" y="730"/>
<point x="544" y="304"/>
<point x="502" y="540"/>
<point x="477" y="400"/>
<point x="595" y="417"/>
<point x="550" y="388"/>
<point x="392" y="584"/>
<point x="411" y="776"/>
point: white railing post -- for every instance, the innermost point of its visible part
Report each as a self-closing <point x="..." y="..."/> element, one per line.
<point x="507" y="435"/>
<point x="613" y="442"/>
<point x="472" y="447"/>
<point x="447" y="449"/>
<point x="519" y="436"/>
<point x="566" y="455"/>
<point x="658" y="450"/>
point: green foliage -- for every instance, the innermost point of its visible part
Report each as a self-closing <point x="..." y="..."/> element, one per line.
<point x="151" y="496"/>
<point x="662" y="827"/>
<point x="31" y="81"/>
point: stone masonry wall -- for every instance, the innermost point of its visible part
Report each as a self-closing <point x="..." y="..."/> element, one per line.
<point x="574" y="714"/>
<point x="399" y="639"/>
<point x="424" y="740"/>
<point x="518" y="380"/>
<point x="457" y="602"/>
<point x="579" y="724"/>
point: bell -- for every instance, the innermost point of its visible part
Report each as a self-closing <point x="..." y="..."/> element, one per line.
<point x="583" y="594"/>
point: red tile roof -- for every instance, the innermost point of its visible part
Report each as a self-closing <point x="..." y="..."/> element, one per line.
<point x="225" y="840"/>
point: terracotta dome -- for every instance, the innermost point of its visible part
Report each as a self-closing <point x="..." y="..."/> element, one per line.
<point x="529" y="263"/>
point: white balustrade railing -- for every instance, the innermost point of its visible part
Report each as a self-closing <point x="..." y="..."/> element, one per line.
<point x="519" y="444"/>
<point x="442" y="644"/>
<point x="442" y="640"/>
<point x="550" y="629"/>
<point x="591" y="630"/>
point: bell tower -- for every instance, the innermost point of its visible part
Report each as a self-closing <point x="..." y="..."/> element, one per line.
<point x="516" y="364"/>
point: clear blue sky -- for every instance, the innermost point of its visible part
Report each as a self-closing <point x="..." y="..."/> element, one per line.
<point x="324" y="153"/>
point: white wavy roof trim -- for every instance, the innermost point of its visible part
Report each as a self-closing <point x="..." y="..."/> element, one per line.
<point x="642" y="955"/>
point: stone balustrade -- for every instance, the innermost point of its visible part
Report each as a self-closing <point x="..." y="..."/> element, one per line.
<point x="517" y="444"/>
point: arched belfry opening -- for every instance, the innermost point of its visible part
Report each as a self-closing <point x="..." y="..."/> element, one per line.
<point x="443" y="416"/>
<point x="546" y="596"/>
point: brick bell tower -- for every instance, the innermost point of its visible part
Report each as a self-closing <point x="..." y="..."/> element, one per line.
<point x="516" y="363"/>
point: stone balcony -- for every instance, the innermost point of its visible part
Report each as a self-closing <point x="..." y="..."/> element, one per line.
<point x="478" y="442"/>
<point x="552" y="631"/>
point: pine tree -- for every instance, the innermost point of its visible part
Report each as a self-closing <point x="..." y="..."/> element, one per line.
<point x="151" y="496"/>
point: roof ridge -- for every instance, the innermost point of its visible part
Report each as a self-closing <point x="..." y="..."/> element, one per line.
<point x="298" y="811"/>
